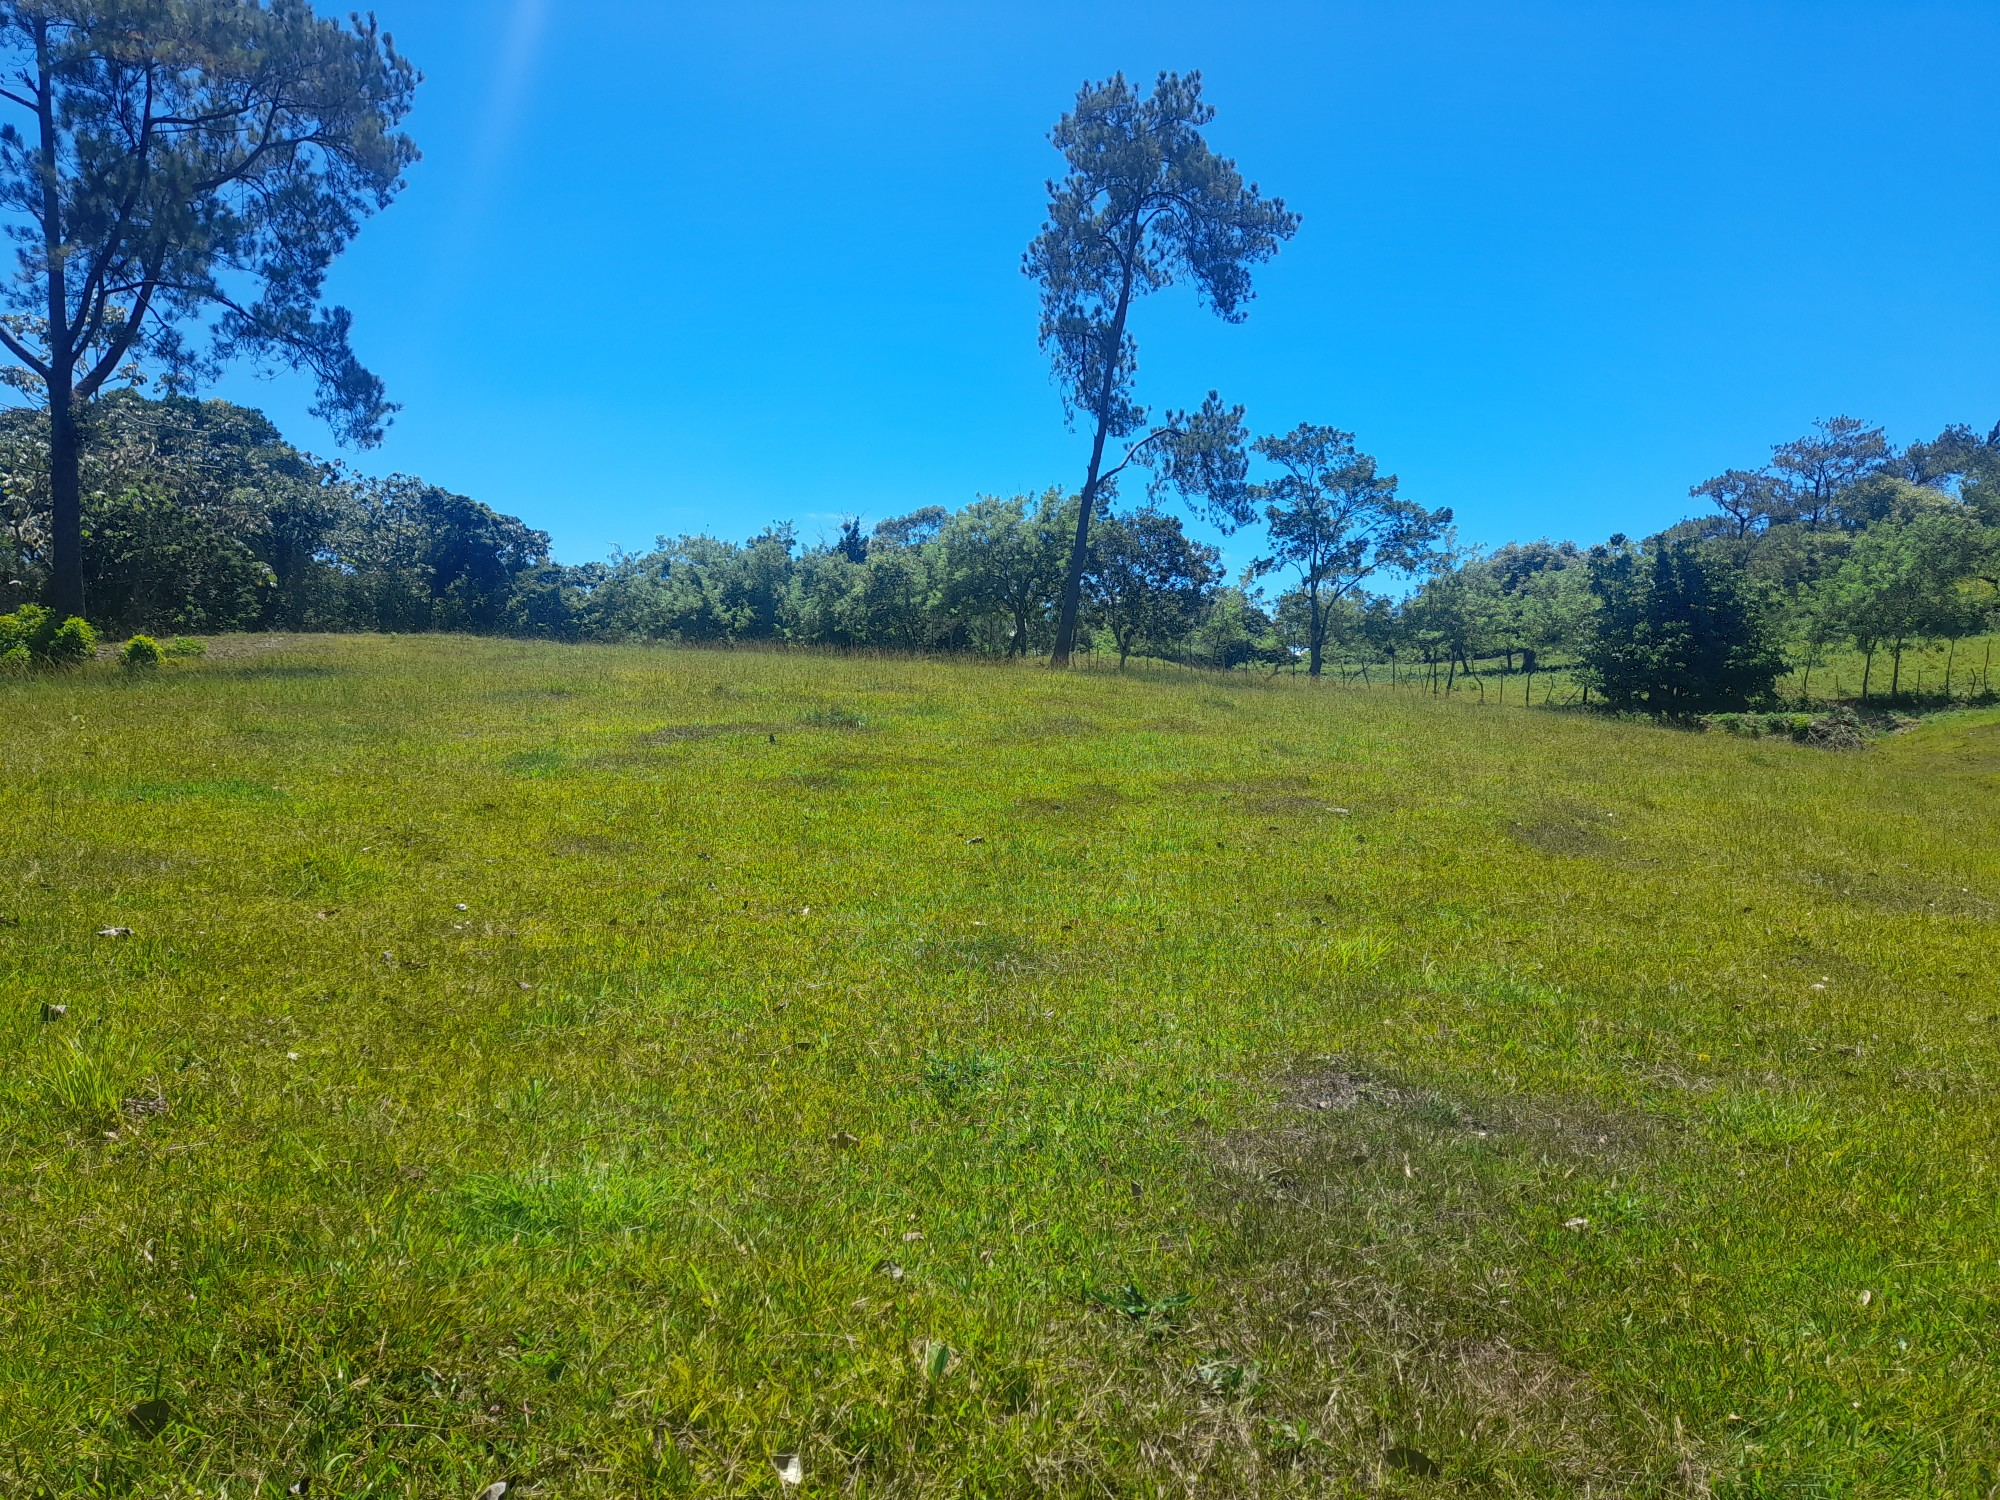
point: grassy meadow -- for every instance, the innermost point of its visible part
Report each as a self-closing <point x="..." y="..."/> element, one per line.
<point x="630" y="1072"/>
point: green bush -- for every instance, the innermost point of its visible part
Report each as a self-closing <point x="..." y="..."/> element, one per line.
<point x="32" y="633"/>
<point x="20" y="630"/>
<point x="72" y="644"/>
<point x="184" y="649"/>
<point x="141" y="654"/>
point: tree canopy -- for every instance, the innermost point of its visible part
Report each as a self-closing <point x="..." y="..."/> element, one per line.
<point x="1146" y="204"/>
<point x="179" y="178"/>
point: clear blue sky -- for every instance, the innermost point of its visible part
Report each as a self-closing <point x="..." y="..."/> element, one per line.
<point x="671" y="268"/>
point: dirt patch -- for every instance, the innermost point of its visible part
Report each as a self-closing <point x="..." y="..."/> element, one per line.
<point x="1568" y="830"/>
<point x="1904" y="894"/>
<point x="1333" y="1090"/>
<point x="1089" y="800"/>
<point x="694" y="734"/>
<point x="593" y="846"/>
<point x="1362" y="1288"/>
<point x="1058" y="727"/>
<point x="985" y="952"/>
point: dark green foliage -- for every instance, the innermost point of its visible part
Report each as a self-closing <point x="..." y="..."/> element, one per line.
<point x="1149" y="580"/>
<point x="149" y="560"/>
<point x="201" y="517"/>
<point x="1677" y="632"/>
<point x="179" y="178"/>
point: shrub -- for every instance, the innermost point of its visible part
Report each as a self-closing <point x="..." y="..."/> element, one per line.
<point x="72" y="644"/>
<point x="20" y="630"/>
<point x="1793" y="726"/>
<point x="31" y="633"/>
<point x="184" y="649"/>
<point x="141" y="654"/>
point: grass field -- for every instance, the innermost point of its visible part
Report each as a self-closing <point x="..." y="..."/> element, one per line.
<point x="645" y="1072"/>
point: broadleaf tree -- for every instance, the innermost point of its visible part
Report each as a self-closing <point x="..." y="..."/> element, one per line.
<point x="1146" y="205"/>
<point x="178" y="179"/>
<point x="1149" y="580"/>
<point x="1336" y="521"/>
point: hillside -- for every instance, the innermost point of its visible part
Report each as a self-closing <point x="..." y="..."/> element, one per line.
<point x="641" y="1070"/>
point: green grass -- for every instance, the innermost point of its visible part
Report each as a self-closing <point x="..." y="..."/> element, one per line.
<point x="617" y="1071"/>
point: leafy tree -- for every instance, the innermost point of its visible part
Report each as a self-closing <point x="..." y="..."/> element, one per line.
<point x="151" y="561"/>
<point x="1453" y="610"/>
<point x="207" y="467"/>
<point x="1149" y="580"/>
<point x="1905" y="581"/>
<point x="1146" y="204"/>
<point x="1004" y="560"/>
<point x="1752" y="501"/>
<point x="1336" y="521"/>
<point x="1526" y="580"/>
<point x="1556" y="610"/>
<point x="186" y="164"/>
<point x="892" y="601"/>
<point x="1235" y="631"/>
<point x="852" y="544"/>
<point x="1676" y="631"/>
<point x="919" y="526"/>
<point x="1815" y="471"/>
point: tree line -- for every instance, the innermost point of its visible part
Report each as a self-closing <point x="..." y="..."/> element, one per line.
<point x="201" y="518"/>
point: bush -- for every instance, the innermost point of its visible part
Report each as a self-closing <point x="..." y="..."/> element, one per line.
<point x="32" y="634"/>
<point x="1840" y="730"/>
<point x="73" y="643"/>
<point x="20" y="630"/>
<point x="141" y="654"/>
<point x="184" y="649"/>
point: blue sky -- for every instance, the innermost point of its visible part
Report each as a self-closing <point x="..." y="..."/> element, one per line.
<point x="675" y="268"/>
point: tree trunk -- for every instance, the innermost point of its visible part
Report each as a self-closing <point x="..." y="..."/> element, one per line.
<point x="1895" y="672"/>
<point x="1867" y="671"/>
<point x="66" y="501"/>
<point x="1079" y="558"/>
<point x="65" y="458"/>
<point x="1315" y="637"/>
<point x="1950" y="659"/>
<point x="1079" y="552"/>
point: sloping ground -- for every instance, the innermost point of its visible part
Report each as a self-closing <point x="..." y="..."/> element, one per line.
<point x="634" y="1071"/>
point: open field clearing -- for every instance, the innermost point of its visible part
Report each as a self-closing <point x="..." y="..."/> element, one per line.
<point x="637" y="1071"/>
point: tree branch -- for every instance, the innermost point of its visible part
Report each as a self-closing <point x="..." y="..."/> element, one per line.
<point x="21" y="352"/>
<point x="1133" y="452"/>
<point x="121" y="345"/>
